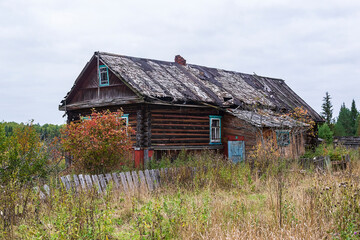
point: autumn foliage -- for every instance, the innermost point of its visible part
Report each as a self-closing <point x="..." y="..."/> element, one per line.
<point x="98" y="143"/>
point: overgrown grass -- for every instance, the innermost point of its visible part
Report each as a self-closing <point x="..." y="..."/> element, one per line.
<point x="221" y="201"/>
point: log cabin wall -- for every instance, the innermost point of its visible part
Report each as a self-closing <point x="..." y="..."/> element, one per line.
<point x="295" y="149"/>
<point x="232" y="125"/>
<point x="180" y="126"/>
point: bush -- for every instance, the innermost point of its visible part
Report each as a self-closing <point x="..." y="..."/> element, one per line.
<point x="98" y="144"/>
<point x="325" y="133"/>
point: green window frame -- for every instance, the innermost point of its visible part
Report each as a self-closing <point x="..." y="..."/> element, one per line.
<point x="103" y="76"/>
<point x="283" y="138"/>
<point x="215" y="129"/>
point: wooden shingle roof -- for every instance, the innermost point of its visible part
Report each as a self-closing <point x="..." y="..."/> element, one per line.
<point x="175" y="83"/>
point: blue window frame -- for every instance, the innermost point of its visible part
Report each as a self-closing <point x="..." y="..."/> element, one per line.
<point x="215" y="129"/>
<point x="126" y="117"/>
<point x="283" y="138"/>
<point x="103" y="76"/>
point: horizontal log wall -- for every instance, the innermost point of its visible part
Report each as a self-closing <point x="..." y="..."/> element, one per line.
<point x="180" y="126"/>
<point x="232" y="125"/>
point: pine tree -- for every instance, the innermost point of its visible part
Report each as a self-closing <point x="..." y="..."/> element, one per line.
<point x="343" y="125"/>
<point x="354" y="116"/>
<point x="327" y="109"/>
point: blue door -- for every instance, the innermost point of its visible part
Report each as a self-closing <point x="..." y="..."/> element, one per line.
<point x="236" y="151"/>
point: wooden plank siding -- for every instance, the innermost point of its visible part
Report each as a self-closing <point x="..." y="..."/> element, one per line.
<point x="89" y="90"/>
<point x="232" y="125"/>
<point x="180" y="126"/>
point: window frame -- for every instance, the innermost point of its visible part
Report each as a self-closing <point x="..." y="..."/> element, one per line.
<point x="280" y="139"/>
<point x="126" y="117"/>
<point x="107" y="75"/>
<point x="217" y="118"/>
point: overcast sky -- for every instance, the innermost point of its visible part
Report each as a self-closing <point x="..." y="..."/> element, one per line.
<point x="313" y="45"/>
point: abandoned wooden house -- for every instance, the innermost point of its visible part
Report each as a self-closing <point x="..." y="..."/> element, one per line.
<point x="175" y="105"/>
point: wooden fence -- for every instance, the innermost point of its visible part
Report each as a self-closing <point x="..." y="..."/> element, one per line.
<point x="127" y="182"/>
<point x="324" y="163"/>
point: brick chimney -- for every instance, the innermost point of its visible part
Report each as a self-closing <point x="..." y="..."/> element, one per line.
<point x="180" y="60"/>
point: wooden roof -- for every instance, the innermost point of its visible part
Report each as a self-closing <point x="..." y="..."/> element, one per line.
<point x="175" y="83"/>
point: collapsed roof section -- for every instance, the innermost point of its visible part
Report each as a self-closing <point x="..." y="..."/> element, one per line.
<point x="266" y="118"/>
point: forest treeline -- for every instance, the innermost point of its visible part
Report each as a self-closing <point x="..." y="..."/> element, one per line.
<point x="346" y="124"/>
<point x="46" y="131"/>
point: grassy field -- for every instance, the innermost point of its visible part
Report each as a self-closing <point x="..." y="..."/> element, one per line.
<point x="225" y="202"/>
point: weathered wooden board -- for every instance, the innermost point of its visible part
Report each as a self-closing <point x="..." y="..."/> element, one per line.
<point x="41" y="194"/>
<point x="135" y="180"/>
<point x="124" y="183"/>
<point x="157" y="177"/>
<point x="47" y="189"/>
<point x="102" y="181"/>
<point x="130" y="182"/>
<point x="116" y="180"/>
<point x="143" y="185"/>
<point x="77" y="183"/>
<point x="97" y="183"/>
<point x="82" y="181"/>
<point x="88" y="181"/>
<point x="68" y="177"/>
<point x="108" y="178"/>
<point x="149" y="180"/>
<point x="65" y="183"/>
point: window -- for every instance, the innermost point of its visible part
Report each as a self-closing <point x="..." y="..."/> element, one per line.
<point x="103" y="75"/>
<point x="215" y="129"/>
<point x="126" y="117"/>
<point x="283" y="138"/>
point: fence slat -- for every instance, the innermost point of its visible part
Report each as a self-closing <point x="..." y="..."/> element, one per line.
<point x="135" y="179"/>
<point x="96" y="181"/>
<point x="116" y="180"/>
<point x="88" y="181"/>
<point x="149" y="180"/>
<point x="102" y="182"/>
<point x="130" y="182"/>
<point x="108" y="177"/>
<point x="71" y="185"/>
<point x="65" y="183"/>
<point x="41" y="194"/>
<point x="143" y="185"/>
<point x="47" y="189"/>
<point x="82" y="181"/>
<point x="124" y="183"/>
<point x="76" y="181"/>
<point x="153" y="178"/>
<point x="158" y="176"/>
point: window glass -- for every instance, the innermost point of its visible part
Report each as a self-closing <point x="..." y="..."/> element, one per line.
<point x="103" y="75"/>
<point x="215" y="129"/>
<point x="283" y="138"/>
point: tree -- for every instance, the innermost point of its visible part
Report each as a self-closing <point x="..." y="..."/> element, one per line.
<point x="325" y="133"/>
<point x="343" y="126"/>
<point x="99" y="143"/>
<point x="354" y="115"/>
<point x="327" y="109"/>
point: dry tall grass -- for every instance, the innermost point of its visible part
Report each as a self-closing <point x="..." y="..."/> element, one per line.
<point x="224" y="202"/>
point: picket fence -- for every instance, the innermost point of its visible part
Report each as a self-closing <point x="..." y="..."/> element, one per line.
<point x="127" y="182"/>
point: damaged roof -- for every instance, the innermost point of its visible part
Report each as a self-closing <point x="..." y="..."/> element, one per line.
<point x="176" y="83"/>
<point x="266" y="118"/>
